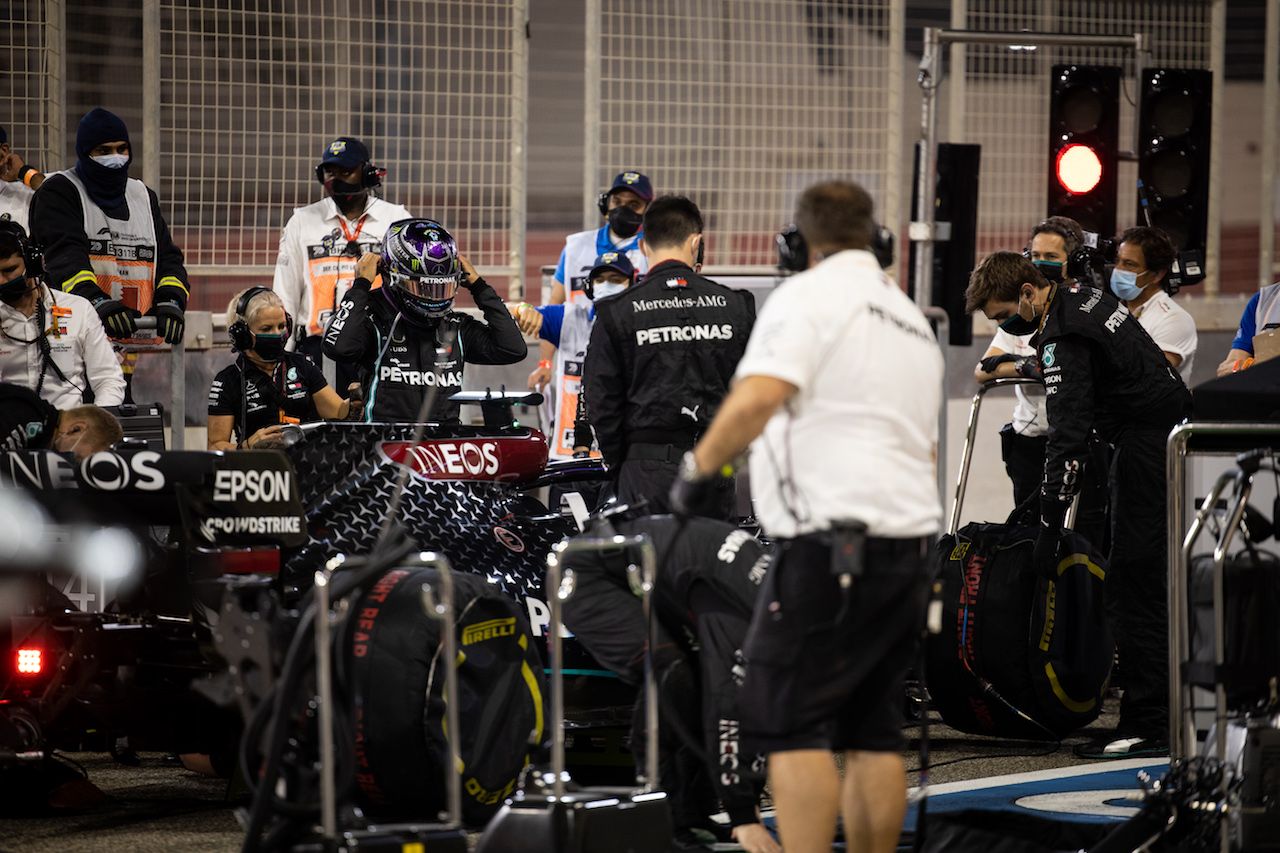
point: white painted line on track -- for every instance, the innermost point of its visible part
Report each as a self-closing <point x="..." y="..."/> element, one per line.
<point x="1045" y="775"/>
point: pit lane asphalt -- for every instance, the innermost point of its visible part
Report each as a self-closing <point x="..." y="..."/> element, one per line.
<point x="160" y="807"/>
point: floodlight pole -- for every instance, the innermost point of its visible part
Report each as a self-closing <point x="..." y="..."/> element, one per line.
<point x="923" y="231"/>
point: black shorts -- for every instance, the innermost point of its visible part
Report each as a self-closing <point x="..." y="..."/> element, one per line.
<point x="826" y="666"/>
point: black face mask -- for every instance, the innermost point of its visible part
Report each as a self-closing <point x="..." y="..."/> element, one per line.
<point x="343" y="190"/>
<point x="268" y="347"/>
<point x="1019" y="325"/>
<point x="14" y="289"/>
<point x="1051" y="270"/>
<point x="624" y="221"/>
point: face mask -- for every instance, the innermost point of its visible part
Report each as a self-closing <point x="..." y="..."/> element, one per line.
<point x="1124" y="283"/>
<point x="601" y="289"/>
<point x="14" y="289"/>
<point x="624" y="221"/>
<point x="74" y="444"/>
<point x="342" y="189"/>
<point x="1051" y="270"/>
<point x="268" y="347"/>
<point x="1019" y="325"/>
<point x="112" y="161"/>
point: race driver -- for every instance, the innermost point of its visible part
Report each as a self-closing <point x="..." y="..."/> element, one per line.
<point x="405" y="338"/>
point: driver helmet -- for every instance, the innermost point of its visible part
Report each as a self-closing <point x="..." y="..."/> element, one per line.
<point x="420" y="269"/>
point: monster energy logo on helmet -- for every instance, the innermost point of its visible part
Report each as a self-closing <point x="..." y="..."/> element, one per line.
<point x="422" y="263"/>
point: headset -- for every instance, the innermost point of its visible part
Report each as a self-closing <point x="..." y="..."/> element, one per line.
<point x="370" y="175"/>
<point x="32" y="257"/>
<point x="793" y="252"/>
<point x="241" y="337"/>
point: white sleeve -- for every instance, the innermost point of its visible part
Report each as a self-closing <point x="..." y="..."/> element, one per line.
<point x="100" y="362"/>
<point x="290" y="275"/>
<point x="1175" y="332"/>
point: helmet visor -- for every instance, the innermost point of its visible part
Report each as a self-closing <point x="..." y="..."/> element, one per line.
<point x="427" y="288"/>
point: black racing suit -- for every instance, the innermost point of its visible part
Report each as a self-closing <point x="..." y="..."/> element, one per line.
<point x="661" y="356"/>
<point x="26" y="419"/>
<point x="706" y="590"/>
<point x="1103" y="372"/>
<point x="398" y="360"/>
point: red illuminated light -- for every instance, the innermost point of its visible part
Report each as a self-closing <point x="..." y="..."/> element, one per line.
<point x="29" y="662"/>
<point x="1078" y="168"/>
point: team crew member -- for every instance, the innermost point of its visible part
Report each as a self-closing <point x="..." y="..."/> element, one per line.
<point x="104" y="237"/>
<point x="28" y="422"/>
<point x="1022" y="439"/>
<point x="623" y="205"/>
<point x="567" y="327"/>
<point x="322" y="242"/>
<point x="842" y="451"/>
<point x="1141" y="280"/>
<point x="660" y="359"/>
<point x="267" y="387"/>
<point x="1102" y="372"/>
<point x="20" y="181"/>
<point x="706" y="589"/>
<point x="404" y="337"/>
<point x="51" y="343"/>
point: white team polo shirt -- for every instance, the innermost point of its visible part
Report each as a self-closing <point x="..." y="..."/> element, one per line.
<point x="857" y="441"/>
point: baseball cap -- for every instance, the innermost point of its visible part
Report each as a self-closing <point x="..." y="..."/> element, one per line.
<point x="633" y="181"/>
<point x="345" y="152"/>
<point x="616" y="261"/>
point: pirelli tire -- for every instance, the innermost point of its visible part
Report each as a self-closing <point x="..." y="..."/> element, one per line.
<point x="1018" y="656"/>
<point x="398" y="680"/>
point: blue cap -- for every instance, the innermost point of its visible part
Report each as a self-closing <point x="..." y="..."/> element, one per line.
<point x="617" y="261"/>
<point x="346" y="152"/>
<point x="633" y="181"/>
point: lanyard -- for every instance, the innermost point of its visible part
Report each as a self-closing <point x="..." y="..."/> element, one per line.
<point x="353" y="248"/>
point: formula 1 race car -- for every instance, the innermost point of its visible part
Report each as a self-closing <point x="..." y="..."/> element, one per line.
<point x="212" y="520"/>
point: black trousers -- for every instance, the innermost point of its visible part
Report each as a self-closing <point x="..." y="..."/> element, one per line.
<point x="650" y="480"/>
<point x="1137" y="583"/>
<point x="1024" y="463"/>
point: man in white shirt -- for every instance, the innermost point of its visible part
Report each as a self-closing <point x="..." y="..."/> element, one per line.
<point x="53" y="344"/>
<point x="1141" y="281"/>
<point x="322" y="241"/>
<point x="844" y="478"/>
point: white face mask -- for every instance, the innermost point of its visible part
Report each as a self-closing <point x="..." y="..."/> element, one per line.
<point x="601" y="289"/>
<point x="112" y="161"/>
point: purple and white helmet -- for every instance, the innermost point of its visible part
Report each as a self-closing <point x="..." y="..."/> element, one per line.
<point x="420" y="269"/>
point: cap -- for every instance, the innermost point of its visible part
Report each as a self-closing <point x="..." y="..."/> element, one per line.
<point x="633" y="181"/>
<point x="617" y="261"/>
<point x="345" y="152"/>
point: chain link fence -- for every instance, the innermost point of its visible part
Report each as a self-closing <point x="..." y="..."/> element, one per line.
<point x="251" y="94"/>
<point x="740" y="104"/>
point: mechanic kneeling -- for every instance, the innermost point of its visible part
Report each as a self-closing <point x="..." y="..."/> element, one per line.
<point x="706" y="589"/>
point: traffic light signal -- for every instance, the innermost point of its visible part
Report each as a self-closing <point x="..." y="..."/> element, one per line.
<point x="1084" y="135"/>
<point x="1173" y="155"/>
